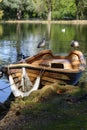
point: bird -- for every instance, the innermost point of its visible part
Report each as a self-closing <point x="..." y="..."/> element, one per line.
<point x="75" y="44"/>
<point x="63" y="30"/>
<point x="42" y="43"/>
<point x="21" y="56"/>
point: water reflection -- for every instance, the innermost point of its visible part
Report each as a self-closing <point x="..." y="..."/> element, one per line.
<point x="24" y="38"/>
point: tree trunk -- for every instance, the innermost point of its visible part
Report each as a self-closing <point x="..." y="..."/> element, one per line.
<point x="82" y="15"/>
<point x="49" y="16"/>
<point x="77" y="16"/>
<point x="19" y="14"/>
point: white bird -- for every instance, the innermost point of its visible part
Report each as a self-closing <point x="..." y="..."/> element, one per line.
<point x="75" y="44"/>
<point x="63" y="30"/>
<point x="42" y="43"/>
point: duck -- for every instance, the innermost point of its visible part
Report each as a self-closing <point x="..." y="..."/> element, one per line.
<point x="21" y="56"/>
<point x="75" y="44"/>
<point x="42" y="43"/>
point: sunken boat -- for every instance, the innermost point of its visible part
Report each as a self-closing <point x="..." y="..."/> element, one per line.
<point x="42" y="69"/>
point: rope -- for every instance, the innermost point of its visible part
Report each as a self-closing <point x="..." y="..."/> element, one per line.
<point x="8" y="86"/>
<point x="42" y="71"/>
<point x="9" y="70"/>
<point x="5" y="88"/>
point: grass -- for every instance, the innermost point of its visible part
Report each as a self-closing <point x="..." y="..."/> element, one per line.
<point x="63" y="111"/>
<point x="57" y="114"/>
<point x="54" y="107"/>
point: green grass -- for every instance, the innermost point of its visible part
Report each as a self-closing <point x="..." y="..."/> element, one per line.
<point x="53" y="116"/>
<point x="48" y="110"/>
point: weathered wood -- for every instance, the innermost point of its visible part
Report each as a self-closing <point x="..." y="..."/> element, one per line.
<point x="48" y="68"/>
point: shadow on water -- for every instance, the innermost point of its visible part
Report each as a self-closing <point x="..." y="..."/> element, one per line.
<point x="6" y="97"/>
<point x="4" y="107"/>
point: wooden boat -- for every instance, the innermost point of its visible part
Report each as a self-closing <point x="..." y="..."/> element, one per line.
<point x="42" y="69"/>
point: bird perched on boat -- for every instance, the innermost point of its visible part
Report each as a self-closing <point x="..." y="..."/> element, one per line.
<point x="42" y="43"/>
<point x="75" y="44"/>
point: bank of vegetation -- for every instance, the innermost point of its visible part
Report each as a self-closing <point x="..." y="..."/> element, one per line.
<point x="53" y="107"/>
<point x="43" y="10"/>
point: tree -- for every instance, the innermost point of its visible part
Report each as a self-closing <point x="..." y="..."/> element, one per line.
<point x="81" y="8"/>
<point x="44" y="7"/>
<point x="64" y="9"/>
<point x="19" y="6"/>
<point x="39" y="7"/>
<point x="1" y="11"/>
<point x="50" y="6"/>
<point x="67" y="8"/>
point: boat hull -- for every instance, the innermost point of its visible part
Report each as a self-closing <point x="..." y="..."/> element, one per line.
<point x="44" y="69"/>
<point x="47" y="76"/>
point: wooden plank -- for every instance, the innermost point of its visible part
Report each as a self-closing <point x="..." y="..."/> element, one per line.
<point x="49" y="74"/>
<point x="34" y="67"/>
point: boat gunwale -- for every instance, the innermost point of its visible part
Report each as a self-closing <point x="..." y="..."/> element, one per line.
<point x="30" y="66"/>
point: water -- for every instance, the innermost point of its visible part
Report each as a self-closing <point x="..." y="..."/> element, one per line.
<point x="24" y="38"/>
<point x="4" y="89"/>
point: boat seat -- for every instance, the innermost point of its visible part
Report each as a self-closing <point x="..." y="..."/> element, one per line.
<point x="61" y="63"/>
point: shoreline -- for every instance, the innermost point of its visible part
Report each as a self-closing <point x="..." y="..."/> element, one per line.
<point x="54" y="103"/>
<point x="47" y="22"/>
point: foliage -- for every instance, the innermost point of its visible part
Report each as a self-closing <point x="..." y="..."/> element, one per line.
<point x="1" y="11"/>
<point x="19" y="6"/>
<point x="38" y="7"/>
<point x="56" y="15"/>
<point x="67" y="11"/>
<point x="47" y="9"/>
<point x="1" y="14"/>
<point x="81" y="9"/>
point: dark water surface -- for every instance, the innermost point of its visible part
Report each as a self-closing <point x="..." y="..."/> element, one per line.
<point x="24" y="38"/>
